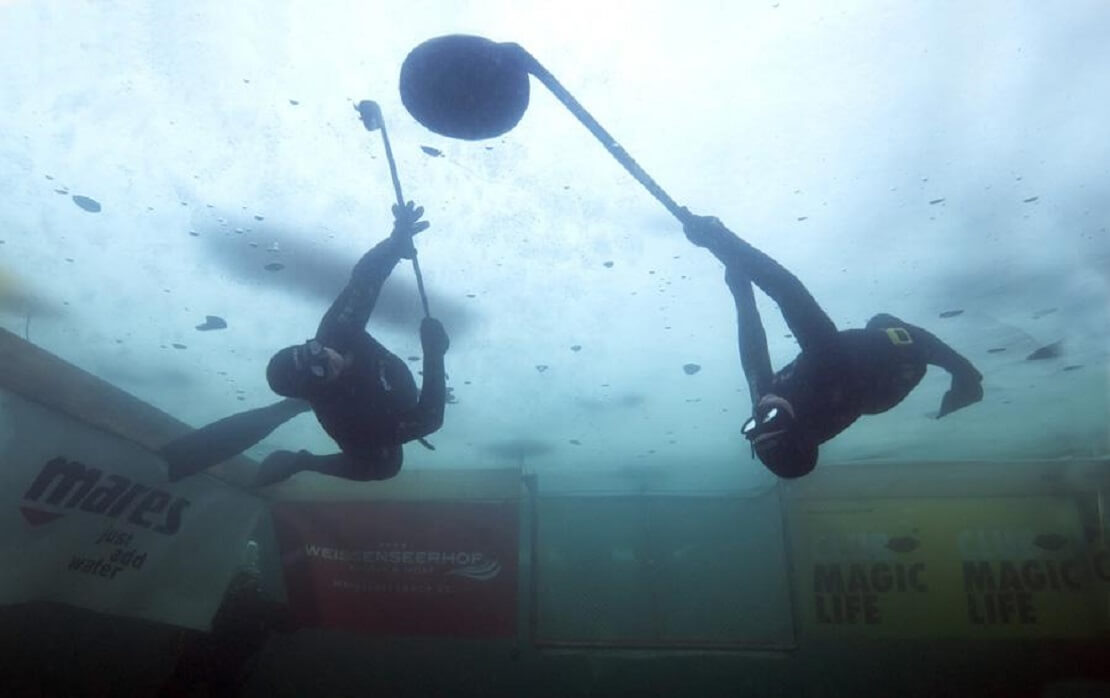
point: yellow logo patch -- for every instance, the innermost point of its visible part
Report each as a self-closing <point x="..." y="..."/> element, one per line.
<point x="899" y="335"/>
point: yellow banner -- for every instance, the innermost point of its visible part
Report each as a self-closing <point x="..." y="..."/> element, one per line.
<point x="991" y="568"/>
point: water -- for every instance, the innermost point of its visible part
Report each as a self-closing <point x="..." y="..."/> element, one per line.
<point x="165" y="165"/>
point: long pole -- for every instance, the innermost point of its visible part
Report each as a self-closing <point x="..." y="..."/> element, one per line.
<point x="535" y="68"/>
<point x="380" y="122"/>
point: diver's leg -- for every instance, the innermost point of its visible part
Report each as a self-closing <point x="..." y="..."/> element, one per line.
<point x="380" y="464"/>
<point x="809" y="323"/>
<point x="216" y="442"/>
<point x="751" y="336"/>
<point x="376" y="464"/>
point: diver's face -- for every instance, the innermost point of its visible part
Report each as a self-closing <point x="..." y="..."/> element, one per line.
<point x="777" y="440"/>
<point x="334" y="365"/>
<point x="774" y="449"/>
<point x="325" y="363"/>
<point x="774" y="416"/>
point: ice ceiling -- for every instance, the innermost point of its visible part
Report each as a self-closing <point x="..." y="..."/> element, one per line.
<point x="916" y="159"/>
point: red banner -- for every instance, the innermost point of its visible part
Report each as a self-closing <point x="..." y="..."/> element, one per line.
<point x="401" y="568"/>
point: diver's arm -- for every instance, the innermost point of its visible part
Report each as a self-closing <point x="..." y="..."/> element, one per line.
<point x="348" y="315"/>
<point x="350" y="312"/>
<point x="427" y="416"/>
<point x="754" y="358"/>
<point x="810" y="325"/>
<point x="376" y="464"/>
<point x="966" y="388"/>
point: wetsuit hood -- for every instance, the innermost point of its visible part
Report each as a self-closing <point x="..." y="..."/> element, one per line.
<point x="787" y="455"/>
<point x="779" y="440"/>
<point x="299" y="371"/>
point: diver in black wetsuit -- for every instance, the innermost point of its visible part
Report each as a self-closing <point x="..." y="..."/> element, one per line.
<point x="224" y="658"/>
<point x="839" y="375"/>
<point x="363" y="395"/>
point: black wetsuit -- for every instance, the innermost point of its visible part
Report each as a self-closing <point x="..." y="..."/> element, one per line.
<point x="839" y="375"/>
<point x="374" y="407"/>
<point x="224" y="658"/>
<point x="370" y="410"/>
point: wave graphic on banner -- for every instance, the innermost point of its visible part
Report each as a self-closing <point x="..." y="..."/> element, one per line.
<point x="483" y="572"/>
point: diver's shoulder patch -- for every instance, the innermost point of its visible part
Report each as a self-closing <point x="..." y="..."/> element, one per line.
<point x="899" y="335"/>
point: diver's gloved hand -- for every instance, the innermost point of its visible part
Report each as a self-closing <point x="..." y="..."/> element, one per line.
<point x="406" y="223"/>
<point x="961" y="394"/>
<point x="703" y="231"/>
<point x="433" y="337"/>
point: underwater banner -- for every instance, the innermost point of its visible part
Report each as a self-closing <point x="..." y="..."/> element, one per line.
<point x="947" y="567"/>
<point x="402" y="567"/>
<point x="662" y="571"/>
<point x="88" y="519"/>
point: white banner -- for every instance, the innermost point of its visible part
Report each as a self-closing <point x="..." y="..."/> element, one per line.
<point x="89" y="519"/>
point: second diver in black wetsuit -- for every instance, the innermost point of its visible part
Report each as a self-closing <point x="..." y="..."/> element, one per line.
<point x="838" y="376"/>
<point x="364" y="396"/>
<point x="226" y="656"/>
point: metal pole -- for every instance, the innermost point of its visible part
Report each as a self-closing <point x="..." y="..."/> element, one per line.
<point x="610" y="143"/>
<point x="401" y="203"/>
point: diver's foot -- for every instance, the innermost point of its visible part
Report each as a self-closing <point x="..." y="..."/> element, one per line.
<point x="276" y="467"/>
<point x="180" y="465"/>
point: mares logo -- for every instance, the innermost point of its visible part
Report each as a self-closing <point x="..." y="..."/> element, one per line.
<point x="66" y="484"/>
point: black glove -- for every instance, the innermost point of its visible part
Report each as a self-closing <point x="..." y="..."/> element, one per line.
<point x="961" y="394"/>
<point x="433" y="337"/>
<point x="702" y="230"/>
<point x="406" y="223"/>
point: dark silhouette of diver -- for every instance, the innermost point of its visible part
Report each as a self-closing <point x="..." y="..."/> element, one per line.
<point x="837" y="377"/>
<point x="224" y="658"/>
<point x="363" y="395"/>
